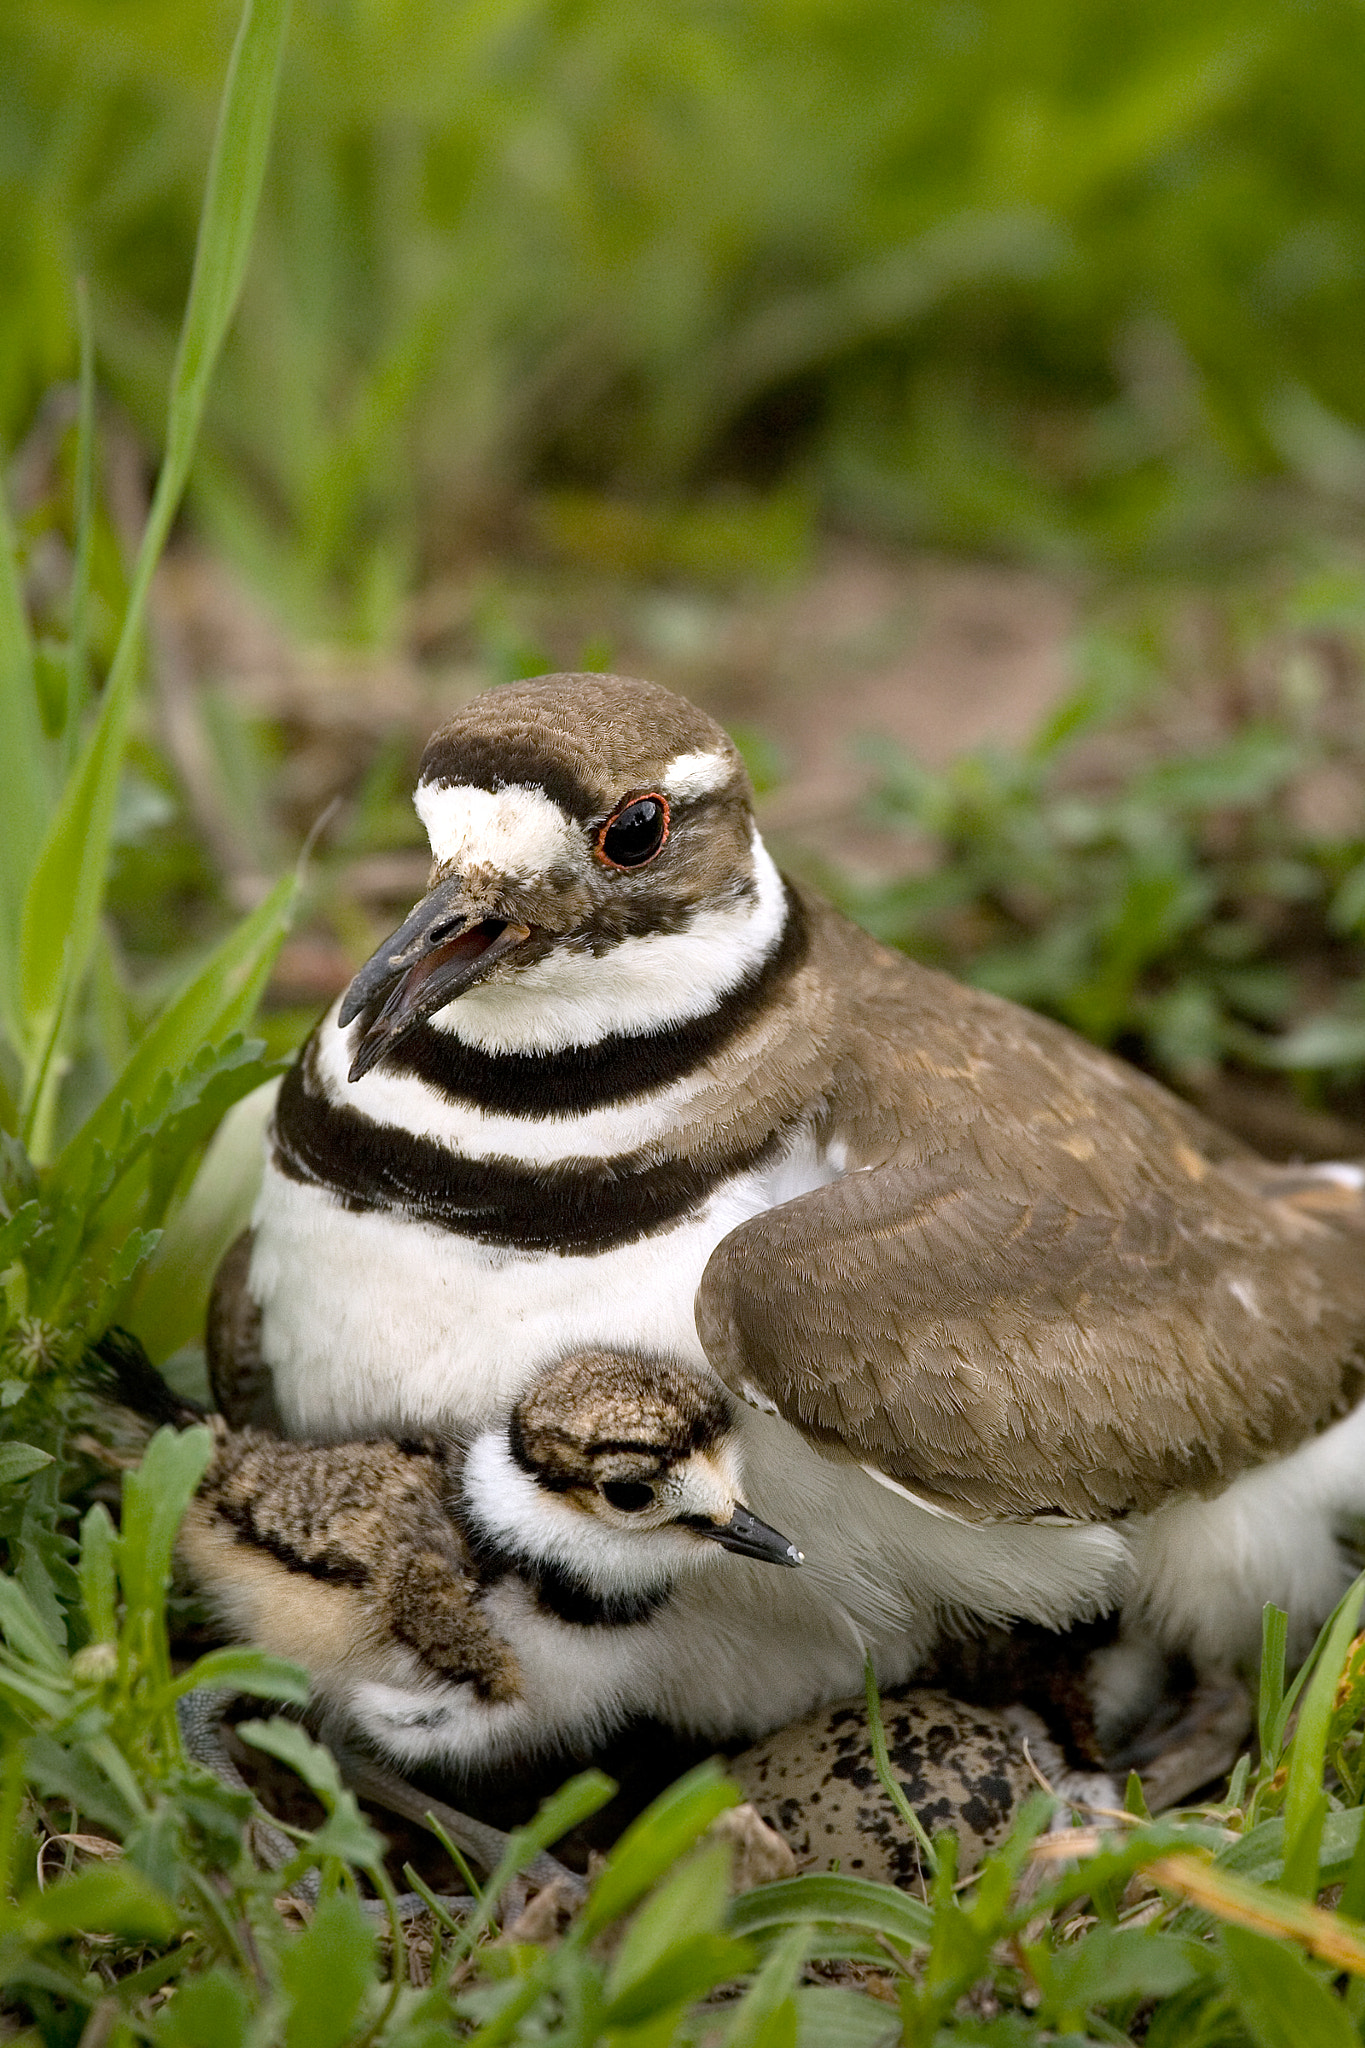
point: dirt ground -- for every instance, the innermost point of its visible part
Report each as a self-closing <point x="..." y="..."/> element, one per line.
<point x="818" y="677"/>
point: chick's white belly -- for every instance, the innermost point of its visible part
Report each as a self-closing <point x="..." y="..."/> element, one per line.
<point x="374" y="1322"/>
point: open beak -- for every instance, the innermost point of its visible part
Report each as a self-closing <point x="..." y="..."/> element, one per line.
<point x="435" y="955"/>
<point x="749" y="1537"/>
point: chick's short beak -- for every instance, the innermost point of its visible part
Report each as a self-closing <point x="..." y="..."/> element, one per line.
<point x="442" y="948"/>
<point x="749" y="1537"/>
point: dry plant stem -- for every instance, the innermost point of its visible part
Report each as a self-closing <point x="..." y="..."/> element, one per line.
<point x="176" y="697"/>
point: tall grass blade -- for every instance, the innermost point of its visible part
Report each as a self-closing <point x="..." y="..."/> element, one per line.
<point x="78" y="643"/>
<point x="890" y="1783"/>
<point x="24" y="791"/>
<point x="61" y="908"/>
<point x="217" y="1002"/>
<point x="1305" y="1802"/>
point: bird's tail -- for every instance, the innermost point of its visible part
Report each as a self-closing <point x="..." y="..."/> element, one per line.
<point x="118" y="1364"/>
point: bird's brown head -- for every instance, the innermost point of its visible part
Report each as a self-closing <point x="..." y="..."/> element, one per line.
<point x="570" y="818"/>
<point x="638" y="1444"/>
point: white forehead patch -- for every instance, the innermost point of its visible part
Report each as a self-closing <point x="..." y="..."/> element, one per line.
<point x="518" y="831"/>
<point x="697" y="774"/>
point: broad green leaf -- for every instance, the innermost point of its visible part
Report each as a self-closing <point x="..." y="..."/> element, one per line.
<point x="691" y="1899"/>
<point x="831" y="2018"/>
<point x="1283" y="2003"/>
<point x="114" y="1899"/>
<point x="834" y="1900"/>
<point x="168" y="1303"/>
<point x="155" y="1497"/>
<point x="690" y="1967"/>
<point x="250" y="1671"/>
<point x="19" y="1461"/>
<point x="1111" y="1964"/>
<point x="653" y="1843"/>
<point x="757" y="2019"/>
<point x="24" y="1629"/>
<point x="345" y="1833"/>
<point x="327" y="1973"/>
<point x="66" y="889"/>
<point x="207" y="2012"/>
<point x="60" y="1771"/>
<point x="99" y="1587"/>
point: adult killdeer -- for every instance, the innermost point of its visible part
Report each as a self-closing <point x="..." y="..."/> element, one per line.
<point x="1024" y="1334"/>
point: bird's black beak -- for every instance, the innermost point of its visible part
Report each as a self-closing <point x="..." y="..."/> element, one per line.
<point x="439" y="951"/>
<point x="749" y="1537"/>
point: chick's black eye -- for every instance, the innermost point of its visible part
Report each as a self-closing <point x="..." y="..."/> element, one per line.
<point x="635" y="833"/>
<point x="629" y="1495"/>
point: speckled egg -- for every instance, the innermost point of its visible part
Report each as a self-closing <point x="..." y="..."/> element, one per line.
<point x="960" y="1767"/>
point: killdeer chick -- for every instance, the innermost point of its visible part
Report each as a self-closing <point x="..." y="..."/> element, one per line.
<point x="455" y="1607"/>
<point x="1025" y="1334"/>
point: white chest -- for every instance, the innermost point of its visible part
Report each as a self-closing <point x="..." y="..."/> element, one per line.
<point x="375" y="1322"/>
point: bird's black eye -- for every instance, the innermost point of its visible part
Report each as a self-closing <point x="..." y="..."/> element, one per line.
<point x="629" y="1495"/>
<point x="634" y="834"/>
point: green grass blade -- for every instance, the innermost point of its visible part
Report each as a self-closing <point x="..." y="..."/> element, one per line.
<point x="24" y="793"/>
<point x="62" y="905"/>
<point x="78" y="644"/>
<point x="891" y="1784"/>
<point x="217" y="1002"/>
<point x="1274" y="1640"/>
<point x="1305" y="1802"/>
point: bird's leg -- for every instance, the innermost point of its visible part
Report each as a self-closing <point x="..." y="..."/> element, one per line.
<point x="484" y="1845"/>
<point x="200" y="1714"/>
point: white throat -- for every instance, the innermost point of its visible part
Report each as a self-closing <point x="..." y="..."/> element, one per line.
<point x="539" y="1528"/>
<point x="641" y="985"/>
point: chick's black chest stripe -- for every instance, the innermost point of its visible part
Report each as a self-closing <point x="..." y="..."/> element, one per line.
<point x="555" y="1590"/>
<point x="574" y="1206"/>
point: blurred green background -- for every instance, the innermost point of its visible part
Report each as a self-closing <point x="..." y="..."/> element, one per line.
<point x="972" y="374"/>
<point x="1072" y="279"/>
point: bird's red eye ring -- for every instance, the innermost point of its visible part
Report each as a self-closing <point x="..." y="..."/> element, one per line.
<point x="634" y="832"/>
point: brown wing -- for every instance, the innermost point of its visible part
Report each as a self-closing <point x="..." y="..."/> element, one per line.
<point x="1006" y="1346"/>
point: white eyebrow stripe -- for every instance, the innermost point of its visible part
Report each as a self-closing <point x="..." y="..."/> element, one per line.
<point x="697" y="774"/>
<point x="518" y="831"/>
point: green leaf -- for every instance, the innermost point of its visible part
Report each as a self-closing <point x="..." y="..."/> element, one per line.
<point x="835" y="1901"/>
<point x="207" y="2012"/>
<point x="1305" y="1802"/>
<point x="216" y="1004"/>
<point x="345" y="1833"/>
<point x="691" y="1966"/>
<point x="99" y="1590"/>
<point x="831" y="2018"/>
<point x="20" y="1461"/>
<point x="74" y="1774"/>
<point x="250" y="1671"/>
<point x="692" y="1898"/>
<point x="1111" y="1964"/>
<point x="654" y="1842"/>
<point x="155" y="1497"/>
<point x="1282" y="2002"/>
<point x="757" y="2017"/>
<point x="66" y="889"/>
<point x="327" y="1973"/>
<point x="24" y="1628"/>
<point x="115" y="1899"/>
